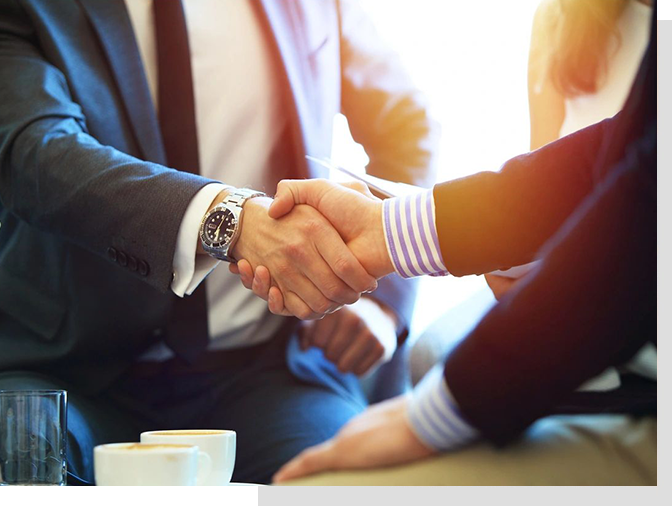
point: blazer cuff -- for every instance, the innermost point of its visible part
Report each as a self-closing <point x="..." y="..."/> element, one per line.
<point x="190" y="269"/>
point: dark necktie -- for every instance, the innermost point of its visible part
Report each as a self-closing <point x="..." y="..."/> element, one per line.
<point x="187" y="333"/>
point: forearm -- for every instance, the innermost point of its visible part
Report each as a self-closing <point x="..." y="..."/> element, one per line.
<point x="492" y="221"/>
<point x="589" y="305"/>
<point x="59" y="179"/>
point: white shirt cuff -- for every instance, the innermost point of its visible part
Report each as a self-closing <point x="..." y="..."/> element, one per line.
<point x="434" y="415"/>
<point x="190" y="269"/>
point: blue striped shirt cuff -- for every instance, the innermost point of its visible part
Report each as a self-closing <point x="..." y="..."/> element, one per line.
<point x="411" y="237"/>
<point x="434" y="416"/>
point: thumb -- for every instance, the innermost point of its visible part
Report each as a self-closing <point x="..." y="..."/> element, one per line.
<point x="294" y="192"/>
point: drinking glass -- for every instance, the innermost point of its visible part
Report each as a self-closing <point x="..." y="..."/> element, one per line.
<point x="33" y="437"/>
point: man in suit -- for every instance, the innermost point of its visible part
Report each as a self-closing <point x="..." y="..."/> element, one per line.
<point x="102" y="249"/>
<point x="585" y="206"/>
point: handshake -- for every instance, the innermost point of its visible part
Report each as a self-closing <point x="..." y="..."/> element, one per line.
<point x="328" y="247"/>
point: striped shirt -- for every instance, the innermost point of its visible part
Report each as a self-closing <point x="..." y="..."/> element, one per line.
<point x="413" y="245"/>
<point x="411" y="237"/>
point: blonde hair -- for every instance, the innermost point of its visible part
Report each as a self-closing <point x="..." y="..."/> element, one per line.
<point x="581" y="43"/>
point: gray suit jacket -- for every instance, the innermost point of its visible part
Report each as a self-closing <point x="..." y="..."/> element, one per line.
<point x="89" y="211"/>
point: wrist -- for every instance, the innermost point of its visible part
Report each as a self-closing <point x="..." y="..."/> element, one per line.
<point x="382" y="264"/>
<point x="255" y="208"/>
<point x="215" y="202"/>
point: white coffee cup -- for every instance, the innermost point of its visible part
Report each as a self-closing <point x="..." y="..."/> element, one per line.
<point x="150" y="464"/>
<point x="220" y="445"/>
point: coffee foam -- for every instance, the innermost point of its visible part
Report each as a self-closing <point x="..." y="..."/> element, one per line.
<point x="151" y="446"/>
<point x="189" y="433"/>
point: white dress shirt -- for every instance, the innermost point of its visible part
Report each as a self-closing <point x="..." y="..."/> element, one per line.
<point x="239" y="120"/>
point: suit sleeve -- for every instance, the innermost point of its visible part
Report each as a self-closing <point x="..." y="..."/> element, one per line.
<point x="589" y="305"/>
<point x="496" y="220"/>
<point x="59" y="179"/>
<point x="389" y="116"/>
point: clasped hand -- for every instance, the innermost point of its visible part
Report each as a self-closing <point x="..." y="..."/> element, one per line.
<point x="311" y="265"/>
<point x="330" y="247"/>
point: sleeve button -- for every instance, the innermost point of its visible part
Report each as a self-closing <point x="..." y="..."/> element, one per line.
<point x="112" y="253"/>
<point x="122" y="259"/>
<point x="143" y="268"/>
<point x="132" y="263"/>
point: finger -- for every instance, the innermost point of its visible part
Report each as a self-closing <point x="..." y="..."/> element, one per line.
<point x="299" y="308"/>
<point x="369" y="361"/>
<point x="359" y="350"/>
<point x="342" y="339"/>
<point x="245" y="272"/>
<point x="262" y="282"/>
<point x="276" y="302"/>
<point x="263" y="277"/>
<point x="310" y="461"/>
<point x="345" y="266"/>
<point x="304" y="334"/>
<point x="304" y="287"/>
<point x="292" y="192"/>
<point x="245" y="268"/>
<point x="233" y="269"/>
<point x="323" y="331"/>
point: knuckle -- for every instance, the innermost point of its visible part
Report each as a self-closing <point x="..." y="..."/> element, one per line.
<point x="351" y="297"/>
<point x="312" y="226"/>
<point x="357" y="325"/>
<point x="342" y="266"/>
<point x="294" y="249"/>
<point x="370" y="339"/>
<point x="379" y="350"/>
<point x="338" y="293"/>
<point x="284" y="269"/>
<point x="360" y="186"/>
<point x="322" y="306"/>
<point x="304" y="314"/>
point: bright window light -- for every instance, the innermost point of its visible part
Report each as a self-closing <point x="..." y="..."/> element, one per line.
<point x="470" y="59"/>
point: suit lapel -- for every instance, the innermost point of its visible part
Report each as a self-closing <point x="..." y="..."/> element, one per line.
<point x="113" y="27"/>
<point x="277" y="17"/>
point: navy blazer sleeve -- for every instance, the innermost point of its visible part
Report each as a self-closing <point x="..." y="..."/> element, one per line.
<point x="59" y="179"/>
<point x="590" y="200"/>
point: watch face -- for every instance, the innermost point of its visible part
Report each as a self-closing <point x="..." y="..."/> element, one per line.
<point x="219" y="228"/>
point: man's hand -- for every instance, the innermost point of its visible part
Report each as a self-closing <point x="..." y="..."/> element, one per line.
<point x="353" y="211"/>
<point x="380" y="436"/>
<point x="357" y="338"/>
<point x="313" y="269"/>
<point x="349" y="207"/>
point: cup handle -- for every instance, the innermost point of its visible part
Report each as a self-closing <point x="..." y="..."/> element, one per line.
<point x="204" y="468"/>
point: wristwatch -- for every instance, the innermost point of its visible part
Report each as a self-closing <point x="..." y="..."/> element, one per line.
<point x="220" y="227"/>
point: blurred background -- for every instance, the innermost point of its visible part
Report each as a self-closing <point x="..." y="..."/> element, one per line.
<point x="472" y="67"/>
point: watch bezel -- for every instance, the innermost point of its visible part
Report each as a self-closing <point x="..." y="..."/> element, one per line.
<point x="219" y="245"/>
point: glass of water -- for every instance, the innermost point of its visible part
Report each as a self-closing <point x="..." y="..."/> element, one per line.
<point x="32" y="437"/>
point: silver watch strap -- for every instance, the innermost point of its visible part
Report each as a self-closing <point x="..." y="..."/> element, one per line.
<point x="238" y="196"/>
<point x="235" y="198"/>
